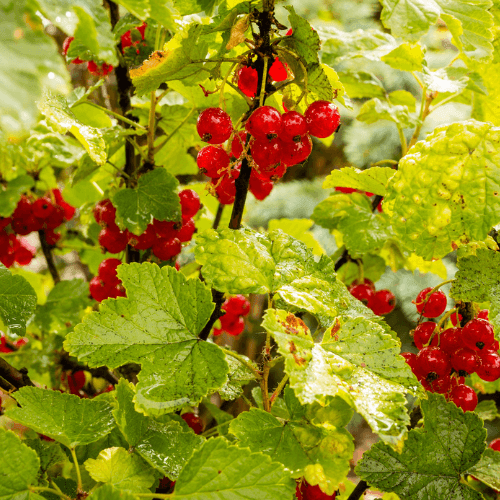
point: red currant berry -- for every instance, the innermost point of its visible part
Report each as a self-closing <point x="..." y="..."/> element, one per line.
<point x="69" y="210"/>
<point x="26" y="226"/>
<point x="190" y="203"/>
<point x="212" y="161"/>
<point x="143" y="241"/>
<point x="464" y="361"/>
<point x="14" y="244"/>
<point x="214" y="126"/>
<point x="113" y="241"/>
<point x="293" y="126"/>
<point x="79" y="379"/>
<point x="105" y="213"/>
<point x="118" y="291"/>
<point x="4" y="222"/>
<point x="24" y="209"/>
<point x="226" y="189"/>
<point x="52" y="237"/>
<point x="235" y="327"/>
<point x="142" y="29"/>
<point x="483" y="314"/>
<point x="464" y="397"/>
<point x="346" y="190"/>
<point x="23" y="256"/>
<point x="296" y="152"/>
<point x="477" y="333"/>
<point x="450" y="340"/>
<point x="495" y="444"/>
<point x="411" y="361"/>
<point x="432" y="306"/>
<point x="277" y="71"/>
<point x="383" y="302"/>
<point x="323" y="118"/>
<point x="423" y="333"/>
<point x="264" y="122"/>
<point x="363" y="293"/>
<point x="237" y="305"/>
<point x="455" y="318"/>
<point x="98" y="290"/>
<point x="489" y="366"/>
<point x="433" y="363"/>
<point x="247" y="81"/>
<point x="193" y="421"/>
<point x="7" y="259"/>
<point x="165" y="229"/>
<point x="266" y="153"/>
<point x="55" y="220"/>
<point x="167" y="249"/>
<point x="66" y="44"/>
<point x="107" y="271"/>
<point x="42" y="208"/>
<point x="310" y="492"/>
<point x="259" y="188"/>
<point x="186" y="232"/>
<point x="238" y="144"/>
<point x="440" y="385"/>
<point x="100" y="71"/>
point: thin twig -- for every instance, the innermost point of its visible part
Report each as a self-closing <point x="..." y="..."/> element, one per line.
<point x="14" y="377"/>
<point x="361" y="487"/>
<point x="49" y="257"/>
<point x="218" y="216"/>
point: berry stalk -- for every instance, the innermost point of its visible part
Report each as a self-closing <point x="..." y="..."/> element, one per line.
<point x="49" y="257"/>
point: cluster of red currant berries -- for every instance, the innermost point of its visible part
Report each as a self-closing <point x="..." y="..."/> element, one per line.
<point x="94" y="69"/>
<point x="379" y="301"/>
<point x="275" y="142"/>
<point x="163" y="237"/>
<point x="232" y="322"/>
<point x="107" y="284"/>
<point x="248" y="78"/>
<point x="132" y="38"/>
<point x="446" y="357"/>
<point x="306" y="491"/>
<point x="32" y="214"/>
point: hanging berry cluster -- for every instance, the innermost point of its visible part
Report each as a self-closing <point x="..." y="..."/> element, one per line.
<point x="447" y="356"/>
<point x="107" y="284"/>
<point x="232" y="322"/>
<point x="100" y="70"/>
<point x="271" y="142"/>
<point x="380" y="302"/>
<point x="32" y="214"/>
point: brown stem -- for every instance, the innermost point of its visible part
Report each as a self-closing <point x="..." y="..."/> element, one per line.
<point x="11" y="377"/>
<point x="49" y="257"/>
<point x="218" y="216"/>
<point x="361" y="487"/>
<point x="100" y="372"/>
<point x="218" y="298"/>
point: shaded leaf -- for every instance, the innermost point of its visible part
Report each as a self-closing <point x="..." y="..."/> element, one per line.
<point x="372" y="180"/>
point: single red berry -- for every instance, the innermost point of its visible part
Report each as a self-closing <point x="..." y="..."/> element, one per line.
<point x="190" y="203"/>
<point x="483" y="314"/>
<point x="42" y="208"/>
<point x="214" y="126"/>
<point x="247" y="81"/>
<point x="69" y="210"/>
<point x="26" y="226"/>
<point x="346" y="190"/>
<point x="455" y="318"/>
<point x="310" y="492"/>
<point x="464" y="397"/>
<point x="212" y="161"/>
<point x="237" y="304"/>
<point x="277" y="71"/>
<point x="98" y="289"/>
<point x="226" y="189"/>
<point x="7" y="259"/>
<point x="296" y="152"/>
<point x="167" y="249"/>
<point x="293" y="126"/>
<point x="383" y="302"/>
<point x="4" y="222"/>
<point x="433" y="363"/>
<point x="238" y="144"/>
<point x="14" y="244"/>
<point x="142" y="29"/>
<point x="323" y="118"/>
<point x="126" y="40"/>
<point x="118" y="291"/>
<point x="495" y="444"/>
<point x="266" y="153"/>
<point x="363" y="293"/>
<point x="79" y="379"/>
<point x="113" y="241"/>
<point x="450" y="340"/>
<point x="24" y="209"/>
<point x="259" y="188"/>
<point x="465" y="361"/>
<point x="264" y="122"/>
<point x="143" y="241"/>
<point x="235" y="327"/>
<point x="186" y="232"/>
<point x="51" y="237"/>
<point x="165" y="229"/>
<point x="477" y="333"/>
<point x="107" y="271"/>
<point x="55" y="219"/>
<point x="105" y="213"/>
<point x="193" y="421"/>
<point x="440" y="385"/>
<point x="432" y="306"/>
<point x="20" y="342"/>
<point x="23" y="256"/>
<point x="489" y="366"/>
<point x="289" y="32"/>
<point x="423" y="333"/>
<point x="411" y="361"/>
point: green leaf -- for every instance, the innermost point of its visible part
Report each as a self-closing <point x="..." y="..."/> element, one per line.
<point x="165" y="444"/>
<point x="375" y="109"/>
<point x="300" y="446"/>
<point x="440" y="81"/>
<point x="304" y="40"/>
<point x="139" y="8"/>
<point x="487" y="107"/>
<point x="108" y="492"/>
<point x="175" y="63"/>
<point x="406" y="57"/>
<point x="487" y="469"/>
<point x="157" y="326"/>
<point x="66" y="418"/>
<point x="299" y="229"/>
<point x="30" y="62"/>
<point x="50" y="454"/>
<point x="446" y="191"/>
<point x="359" y="85"/>
<point x="373" y="179"/>
<point x="450" y="443"/>
<point x="155" y="196"/>
<point x="404" y="98"/>
<point x="238" y="376"/>
<point x="10" y="196"/>
<point x="487" y="409"/>
<point x="356" y="360"/>
<point x="17" y="301"/>
<point x="221" y="470"/>
<point x="62" y="119"/>
<point x="19" y="465"/>
<point x="123" y="470"/>
<point x="88" y="23"/>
